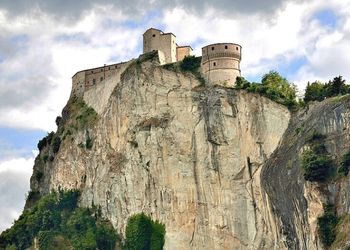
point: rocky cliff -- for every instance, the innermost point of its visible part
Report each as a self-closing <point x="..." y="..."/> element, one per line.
<point x="218" y="166"/>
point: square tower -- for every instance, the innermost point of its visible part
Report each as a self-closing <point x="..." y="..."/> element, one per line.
<point x="154" y="39"/>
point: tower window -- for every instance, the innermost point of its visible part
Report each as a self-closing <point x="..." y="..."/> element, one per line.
<point x="226" y="47"/>
<point x="101" y="79"/>
<point x="214" y="63"/>
<point x="93" y="81"/>
<point x="154" y="35"/>
<point x="212" y="48"/>
<point x="92" y="71"/>
<point x="236" y="48"/>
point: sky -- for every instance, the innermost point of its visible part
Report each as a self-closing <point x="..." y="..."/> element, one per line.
<point x="43" y="43"/>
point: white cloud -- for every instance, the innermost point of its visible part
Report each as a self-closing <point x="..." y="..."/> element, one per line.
<point x="36" y="82"/>
<point x="14" y="184"/>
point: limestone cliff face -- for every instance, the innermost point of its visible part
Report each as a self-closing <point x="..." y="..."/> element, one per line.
<point x="298" y="203"/>
<point x="202" y="160"/>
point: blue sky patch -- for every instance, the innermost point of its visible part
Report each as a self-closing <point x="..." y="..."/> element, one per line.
<point x="327" y="18"/>
<point x="288" y="70"/>
<point x="18" y="142"/>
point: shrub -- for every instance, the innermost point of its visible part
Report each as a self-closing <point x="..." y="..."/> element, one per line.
<point x="273" y="86"/>
<point x="56" y="220"/>
<point x="143" y="233"/>
<point x="45" y="141"/>
<point x="191" y="63"/>
<point x="88" y="142"/>
<point x="317" y="167"/>
<point x="39" y="175"/>
<point x="318" y="91"/>
<point x="315" y="136"/>
<point x="58" y="120"/>
<point x="105" y="236"/>
<point x="327" y="226"/>
<point x="56" y="143"/>
<point x="345" y="164"/>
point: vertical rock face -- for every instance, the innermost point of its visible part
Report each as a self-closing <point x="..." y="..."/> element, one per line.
<point x="188" y="155"/>
<point x="295" y="202"/>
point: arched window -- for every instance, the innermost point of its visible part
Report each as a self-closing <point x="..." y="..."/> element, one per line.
<point x="226" y="47"/>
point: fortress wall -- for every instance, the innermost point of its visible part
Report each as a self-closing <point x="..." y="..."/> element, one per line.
<point x="98" y="96"/>
<point x="78" y="84"/>
<point x="98" y="75"/>
<point x="86" y="79"/>
<point x="182" y="51"/>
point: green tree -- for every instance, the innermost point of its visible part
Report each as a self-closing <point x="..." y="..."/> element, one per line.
<point x="142" y="233"/>
<point x="314" y="92"/>
<point x="336" y="87"/>
<point x="278" y="88"/>
<point x="327" y="226"/>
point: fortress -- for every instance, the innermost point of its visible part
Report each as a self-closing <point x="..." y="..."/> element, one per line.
<point x="220" y="62"/>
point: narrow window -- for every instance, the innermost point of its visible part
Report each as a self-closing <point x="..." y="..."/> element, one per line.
<point x="101" y="70"/>
<point x="101" y="79"/>
<point x="212" y="48"/>
<point x="226" y="47"/>
<point x="214" y="64"/>
<point x="116" y="66"/>
<point x="109" y="68"/>
<point x="93" y="81"/>
<point x="92" y="71"/>
<point x="154" y="35"/>
<point x="236" y="48"/>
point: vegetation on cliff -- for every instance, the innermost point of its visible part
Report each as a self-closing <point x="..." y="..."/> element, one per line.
<point x="327" y="225"/>
<point x="56" y="219"/>
<point x="190" y="64"/>
<point x="144" y="233"/>
<point x="273" y="86"/>
<point x="316" y="161"/>
<point x="318" y="91"/>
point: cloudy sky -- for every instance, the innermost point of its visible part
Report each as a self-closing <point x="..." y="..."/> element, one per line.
<point x="44" y="42"/>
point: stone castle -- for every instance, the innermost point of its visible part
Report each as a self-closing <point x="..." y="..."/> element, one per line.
<point x="220" y="62"/>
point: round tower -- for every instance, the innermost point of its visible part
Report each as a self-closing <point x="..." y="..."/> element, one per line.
<point x="221" y="63"/>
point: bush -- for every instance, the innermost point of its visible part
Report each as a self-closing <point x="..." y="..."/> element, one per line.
<point x="317" y="167"/>
<point x="191" y="63"/>
<point x="56" y="143"/>
<point x="56" y="219"/>
<point x="143" y="233"/>
<point x="45" y="141"/>
<point x="315" y="136"/>
<point x="88" y="142"/>
<point x="39" y="175"/>
<point x="345" y="164"/>
<point x="273" y="86"/>
<point x="327" y="226"/>
<point x="318" y="91"/>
